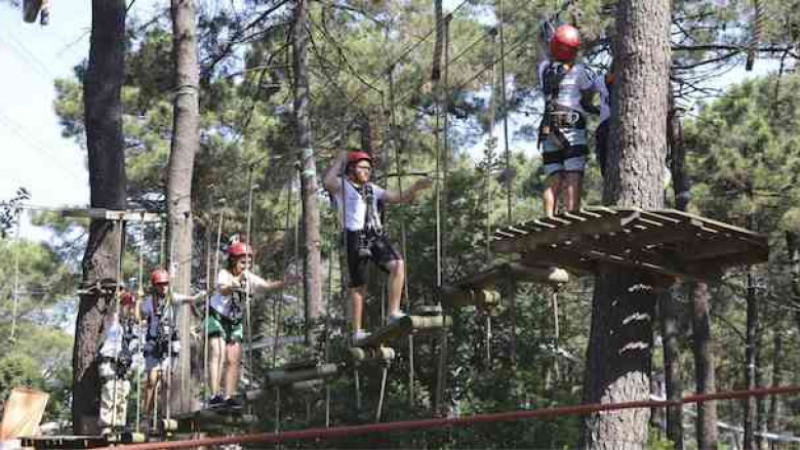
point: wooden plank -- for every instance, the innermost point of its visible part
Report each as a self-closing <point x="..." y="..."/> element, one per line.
<point x="282" y="377"/>
<point x="608" y="224"/>
<point x="403" y="327"/>
<point x="714" y="249"/>
<point x="109" y="214"/>
<point x="561" y="257"/>
<point x="379" y="354"/>
<point x="715" y="224"/>
<point x="459" y="297"/>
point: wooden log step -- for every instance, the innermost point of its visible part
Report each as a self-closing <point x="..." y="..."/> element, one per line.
<point x="456" y="297"/>
<point x="282" y="376"/>
<point x="364" y="354"/>
<point x="402" y="327"/>
<point x="307" y="385"/>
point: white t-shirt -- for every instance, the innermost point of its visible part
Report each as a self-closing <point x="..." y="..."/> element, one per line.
<point x="222" y="303"/>
<point x="113" y="334"/>
<point x="356" y="207"/>
<point x="579" y="78"/>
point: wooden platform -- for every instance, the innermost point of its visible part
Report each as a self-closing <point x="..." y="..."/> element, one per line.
<point x="666" y="242"/>
<point x="403" y="327"/>
<point x="210" y="418"/>
<point x="64" y="442"/>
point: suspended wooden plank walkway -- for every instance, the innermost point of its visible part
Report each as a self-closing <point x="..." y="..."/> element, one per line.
<point x="666" y="242"/>
<point x="478" y="289"/>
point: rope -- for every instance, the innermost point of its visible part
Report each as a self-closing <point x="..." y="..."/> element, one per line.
<point x="440" y="188"/>
<point x="16" y="280"/>
<point x="248" y="298"/>
<point x="503" y="108"/>
<point x="357" y="430"/>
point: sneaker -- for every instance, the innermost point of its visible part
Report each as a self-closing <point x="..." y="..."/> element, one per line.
<point x="396" y="316"/>
<point x="233" y="402"/>
<point x="359" y="335"/>
<point x="215" y="401"/>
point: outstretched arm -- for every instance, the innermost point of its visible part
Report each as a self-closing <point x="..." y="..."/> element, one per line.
<point x="332" y="181"/>
<point x="410" y="194"/>
<point x="261" y="284"/>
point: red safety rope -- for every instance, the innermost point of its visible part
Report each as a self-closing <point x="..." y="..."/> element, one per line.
<point x="347" y="431"/>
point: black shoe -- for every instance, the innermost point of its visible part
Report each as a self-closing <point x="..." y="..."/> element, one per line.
<point x="233" y="403"/>
<point x="216" y="401"/>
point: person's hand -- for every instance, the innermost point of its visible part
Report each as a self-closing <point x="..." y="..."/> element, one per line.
<point x="423" y="183"/>
<point x="292" y="278"/>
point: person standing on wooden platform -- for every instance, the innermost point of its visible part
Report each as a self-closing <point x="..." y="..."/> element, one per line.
<point x="225" y="330"/>
<point x="119" y="356"/>
<point x="357" y="199"/>
<point x="568" y="89"/>
<point x="161" y="345"/>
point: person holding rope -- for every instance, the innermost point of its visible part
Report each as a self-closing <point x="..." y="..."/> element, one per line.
<point x="357" y="199"/>
<point x="161" y="345"/>
<point x="225" y="331"/>
<point x="568" y="89"/>
<point x="119" y="356"/>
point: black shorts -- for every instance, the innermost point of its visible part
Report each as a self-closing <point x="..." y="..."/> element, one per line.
<point x="382" y="252"/>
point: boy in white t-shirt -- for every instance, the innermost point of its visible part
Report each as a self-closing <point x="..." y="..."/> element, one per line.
<point x="357" y="200"/>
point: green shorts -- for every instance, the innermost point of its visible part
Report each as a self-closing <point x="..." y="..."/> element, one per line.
<point x="231" y="331"/>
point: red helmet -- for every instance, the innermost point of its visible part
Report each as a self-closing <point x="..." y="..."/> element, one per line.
<point x="126" y="299"/>
<point x="564" y="43"/>
<point x="159" y="276"/>
<point x="354" y="157"/>
<point x="239" y="249"/>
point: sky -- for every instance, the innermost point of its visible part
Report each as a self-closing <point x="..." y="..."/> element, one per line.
<point x="32" y="150"/>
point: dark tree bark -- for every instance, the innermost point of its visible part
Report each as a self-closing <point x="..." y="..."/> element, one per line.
<point x="185" y="144"/>
<point x="104" y="141"/>
<point x="704" y="372"/>
<point x="312" y="280"/>
<point x="620" y="346"/>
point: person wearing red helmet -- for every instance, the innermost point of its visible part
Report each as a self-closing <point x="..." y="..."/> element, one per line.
<point x="357" y="200"/>
<point x="225" y="331"/>
<point x="568" y="88"/>
<point x="161" y="343"/>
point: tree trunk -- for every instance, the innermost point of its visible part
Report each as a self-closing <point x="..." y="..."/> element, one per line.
<point x="185" y="144"/>
<point x="436" y="66"/>
<point x="667" y="306"/>
<point x="620" y="346"/>
<point x="312" y="282"/>
<point x="672" y="367"/>
<point x="750" y="361"/>
<point x="773" y="423"/>
<point x="107" y="182"/>
<point x="793" y="247"/>
<point x="705" y="373"/>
